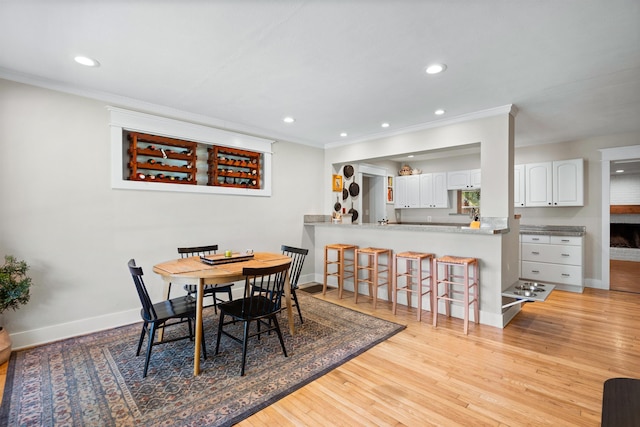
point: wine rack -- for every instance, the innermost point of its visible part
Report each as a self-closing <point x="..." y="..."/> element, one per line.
<point x="230" y="167"/>
<point x="155" y="158"/>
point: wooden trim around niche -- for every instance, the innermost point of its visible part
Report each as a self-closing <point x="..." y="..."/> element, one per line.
<point x="625" y="209"/>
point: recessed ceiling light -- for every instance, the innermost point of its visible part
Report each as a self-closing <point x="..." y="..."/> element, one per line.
<point x="410" y="156"/>
<point x="288" y="120"/>
<point x="439" y="112"/>
<point x="620" y="171"/>
<point x="436" y="68"/>
<point x="89" y="62"/>
<point x="385" y="125"/>
<point x="343" y="134"/>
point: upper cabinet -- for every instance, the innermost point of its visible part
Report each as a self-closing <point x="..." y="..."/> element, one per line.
<point x="427" y="190"/>
<point x="463" y="180"/>
<point x="568" y="183"/>
<point x="407" y="191"/>
<point x="557" y="183"/>
<point x="433" y="190"/>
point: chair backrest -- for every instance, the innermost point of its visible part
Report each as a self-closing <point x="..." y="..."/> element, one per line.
<point x="147" y="306"/>
<point x="265" y="286"/>
<point x="297" y="260"/>
<point x="197" y="250"/>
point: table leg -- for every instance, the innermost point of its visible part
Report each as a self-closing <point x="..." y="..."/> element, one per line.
<point x="198" y="338"/>
<point x="287" y="296"/>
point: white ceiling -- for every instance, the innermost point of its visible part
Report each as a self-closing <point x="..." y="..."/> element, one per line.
<point x="572" y="68"/>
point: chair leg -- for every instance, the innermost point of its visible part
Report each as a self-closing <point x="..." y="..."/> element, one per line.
<point x="144" y="330"/>
<point x="275" y="321"/>
<point x="219" y="331"/>
<point x="245" y="338"/>
<point x="204" y="345"/>
<point x="295" y="299"/>
<point x="152" y="335"/>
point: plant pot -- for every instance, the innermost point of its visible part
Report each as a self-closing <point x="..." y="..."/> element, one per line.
<point x="5" y="345"/>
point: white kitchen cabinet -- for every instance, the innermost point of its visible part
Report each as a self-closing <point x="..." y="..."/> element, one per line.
<point x="568" y="183"/>
<point x="553" y="259"/>
<point x="518" y="186"/>
<point x="407" y="191"/>
<point x="475" y="176"/>
<point x="463" y="180"/>
<point x="557" y="183"/>
<point x="433" y="190"/>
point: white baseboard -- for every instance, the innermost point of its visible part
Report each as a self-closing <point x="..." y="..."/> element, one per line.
<point x="76" y="328"/>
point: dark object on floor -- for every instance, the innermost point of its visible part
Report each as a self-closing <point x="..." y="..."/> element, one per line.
<point x="313" y="289"/>
<point x="156" y="316"/>
<point x="621" y="402"/>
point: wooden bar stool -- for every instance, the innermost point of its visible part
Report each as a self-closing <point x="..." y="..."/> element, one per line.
<point x="415" y="273"/>
<point x="345" y="267"/>
<point x="468" y="287"/>
<point x="374" y="268"/>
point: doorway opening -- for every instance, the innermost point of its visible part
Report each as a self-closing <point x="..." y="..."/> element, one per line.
<point x="616" y="272"/>
<point x="624" y="235"/>
<point x="374" y="193"/>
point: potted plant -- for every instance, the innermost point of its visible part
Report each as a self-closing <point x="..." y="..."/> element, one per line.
<point x="14" y="292"/>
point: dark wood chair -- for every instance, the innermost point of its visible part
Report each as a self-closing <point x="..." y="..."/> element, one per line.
<point x="298" y="256"/>
<point x="209" y="290"/>
<point x="156" y="316"/>
<point x="263" y="294"/>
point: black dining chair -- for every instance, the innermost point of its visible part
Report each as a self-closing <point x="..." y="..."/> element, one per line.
<point x="298" y="256"/>
<point x="209" y="290"/>
<point x="156" y="316"/>
<point x="263" y="291"/>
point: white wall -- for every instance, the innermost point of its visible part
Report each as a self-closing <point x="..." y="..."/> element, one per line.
<point x="625" y="189"/>
<point x="60" y="214"/>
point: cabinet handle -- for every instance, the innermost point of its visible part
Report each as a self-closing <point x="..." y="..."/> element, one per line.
<point x="536" y="238"/>
<point x="535" y="253"/>
<point x="565" y="240"/>
<point x="565" y="254"/>
<point x="535" y="271"/>
<point x="566" y="275"/>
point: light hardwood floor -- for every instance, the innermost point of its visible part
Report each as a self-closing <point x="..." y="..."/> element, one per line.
<point x="547" y="367"/>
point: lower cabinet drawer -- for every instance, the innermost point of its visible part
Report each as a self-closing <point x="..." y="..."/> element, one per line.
<point x="542" y="272"/>
<point x="570" y="255"/>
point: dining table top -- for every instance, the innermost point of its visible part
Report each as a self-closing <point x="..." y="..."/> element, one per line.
<point x="194" y="267"/>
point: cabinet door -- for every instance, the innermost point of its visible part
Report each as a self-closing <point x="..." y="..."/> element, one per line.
<point x="458" y="180"/>
<point x="518" y="186"/>
<point x="426" y="190"/>
<point x="568" y="183"/>
<point x="440" y="194"/>
<point x="401" y="192"/>
<point x="538" y="187"/>
<point x="413" y="191"/>
<point x="474" y="178"/>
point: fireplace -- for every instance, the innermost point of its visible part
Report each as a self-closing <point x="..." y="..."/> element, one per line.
<point x="625" y="236"/>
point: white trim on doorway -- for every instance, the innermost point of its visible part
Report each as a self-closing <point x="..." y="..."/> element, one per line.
<point x="608" y="155"/>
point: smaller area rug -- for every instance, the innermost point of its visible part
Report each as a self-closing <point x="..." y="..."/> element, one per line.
<point x="96" y="380"/>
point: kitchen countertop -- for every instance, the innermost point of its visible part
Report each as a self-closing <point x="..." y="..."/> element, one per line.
<point x="485" y="229"/>
<point x="553" y="230"/>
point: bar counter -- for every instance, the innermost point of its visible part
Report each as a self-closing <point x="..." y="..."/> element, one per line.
<point x="494" y="244"/>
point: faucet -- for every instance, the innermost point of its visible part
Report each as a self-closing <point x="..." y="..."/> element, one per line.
<point x="474" y="214"/>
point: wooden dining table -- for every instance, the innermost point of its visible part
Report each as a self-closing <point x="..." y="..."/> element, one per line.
<point x="193" y="270"/>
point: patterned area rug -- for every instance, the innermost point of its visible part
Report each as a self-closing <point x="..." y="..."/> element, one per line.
<point x="97" y="379"/>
